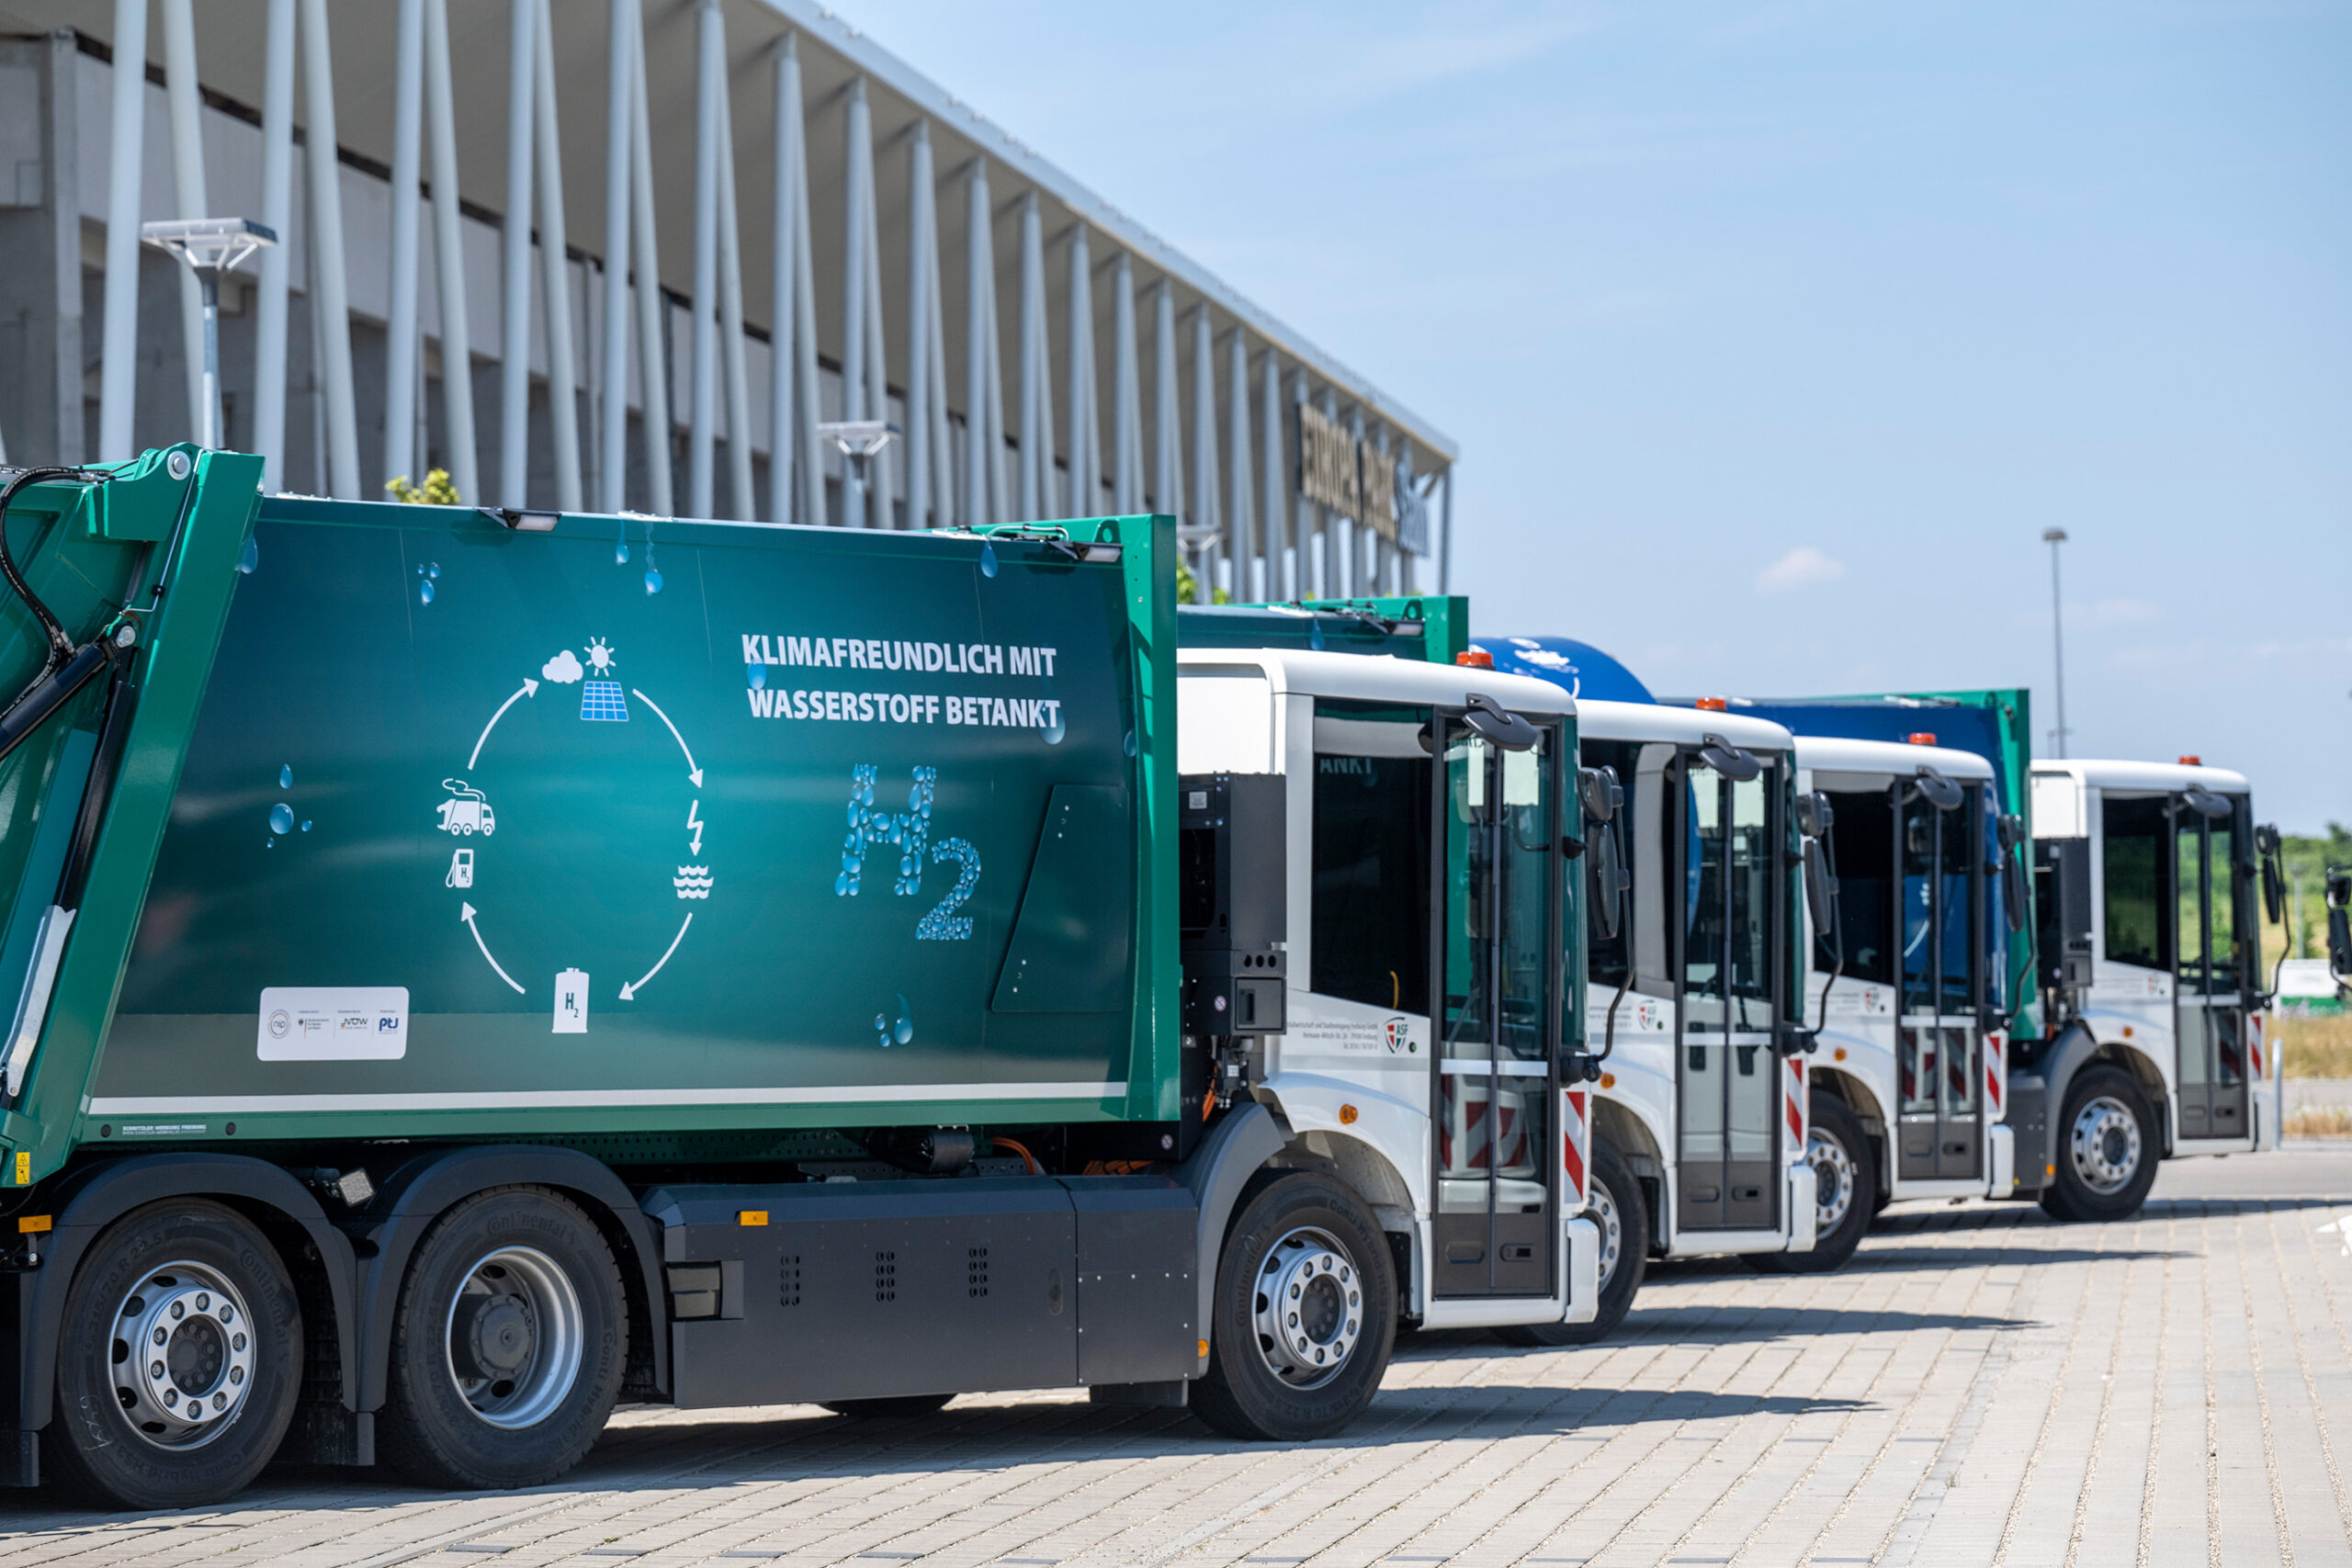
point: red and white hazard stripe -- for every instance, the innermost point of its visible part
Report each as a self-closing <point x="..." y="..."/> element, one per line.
<point x="1996" y="1075"/>
<point x="1576" y="1148"/>
<point x="1794" y="1104"/>
<point x="2253" y="1046"/>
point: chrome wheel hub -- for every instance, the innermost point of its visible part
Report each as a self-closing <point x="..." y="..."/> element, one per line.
<point x="516" y="1336"/>
<point x="1601" y="1205"/>
<point x="183" y="1355"/>
<point x="2104" y="1144"/>
<point x="1833" y="1180"/>
<point x="1309" y="1307"/>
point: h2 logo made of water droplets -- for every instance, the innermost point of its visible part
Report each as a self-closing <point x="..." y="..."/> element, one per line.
<point x="906" y="834"/>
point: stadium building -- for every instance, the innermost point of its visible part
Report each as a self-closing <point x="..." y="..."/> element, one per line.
<point x="496" y="217"/>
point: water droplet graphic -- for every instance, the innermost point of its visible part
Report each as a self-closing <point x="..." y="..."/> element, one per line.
<point x="1129" y="747"/>
<point x="620" y="552"/>
<point x="904" y="1030"/>
<point x="250" y="557"/>
<point x="433" y="569"/>
<point x="988" y="560"/>
<point x="281" y="819"/>
<point x="306" y="823"/>
<point x="424" y="591"/>
<point x="841" y="885"/>
<point x="652" y="580"/>
<point x="269" y="843"/>
<point x="757" y="675"/>
<point x="286" y="776"/>
<point x="1057" y="730"/>
<point x="1315" y="634"/>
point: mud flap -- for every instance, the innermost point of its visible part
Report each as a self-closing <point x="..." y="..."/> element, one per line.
<point x="1804" y="1207"/>
<point x="1581" y="1239"/>
<point x="2001" y="1151"/>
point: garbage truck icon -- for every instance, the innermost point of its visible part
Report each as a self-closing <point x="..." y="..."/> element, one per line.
<point x="466" y="811"/>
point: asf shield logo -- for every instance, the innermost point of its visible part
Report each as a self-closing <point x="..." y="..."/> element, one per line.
<point x="1395" y="1036"/>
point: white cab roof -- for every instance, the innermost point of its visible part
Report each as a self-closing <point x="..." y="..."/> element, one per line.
<point x="2162" y="777"/>
<point x="1836" y="754"/>
<point x="1379" y="677"/>
<point x="1655" y="721"/>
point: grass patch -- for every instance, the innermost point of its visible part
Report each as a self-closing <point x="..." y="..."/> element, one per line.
<point x="2317" y="1047"/>
<point x="2319" y="1121"/>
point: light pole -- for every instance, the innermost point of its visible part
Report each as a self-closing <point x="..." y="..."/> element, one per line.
<point x="2054" y="537"/>
<point x="209" y="247"/>
<point x="857" y="440"/>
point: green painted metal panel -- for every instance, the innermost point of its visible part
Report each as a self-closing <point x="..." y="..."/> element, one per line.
<point x="1431" y="627"/>
<point x="473" y="832"/>
<point x="186" y="599"/>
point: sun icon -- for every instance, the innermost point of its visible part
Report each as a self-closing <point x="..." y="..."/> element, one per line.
<point x="600" y="655"/>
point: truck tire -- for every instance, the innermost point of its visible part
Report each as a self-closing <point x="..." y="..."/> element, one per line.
<point x="179" y="1359"/>
<point x="1304" y="1316"/>
<point x="2108" y="1148"/>
<point x="1616" y="1206"/>
<point x="900" y="1407"/>
<point x="1845" y="1182"/>
<point x="508" y="1343"/>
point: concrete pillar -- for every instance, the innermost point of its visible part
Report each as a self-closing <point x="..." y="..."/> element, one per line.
<point x="40" y="233"/>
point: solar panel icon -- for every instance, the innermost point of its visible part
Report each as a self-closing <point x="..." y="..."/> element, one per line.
<point x="601" y="702"/>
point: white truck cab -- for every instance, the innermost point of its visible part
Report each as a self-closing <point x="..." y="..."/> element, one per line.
<point x="1425" y="1042"/>
<point x="1699" y="1132"/>
<point x="1906" y="984"/>
<point x="2149" y="932"/>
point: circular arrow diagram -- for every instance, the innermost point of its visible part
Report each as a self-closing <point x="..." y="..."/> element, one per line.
<point x="476" y="815"/>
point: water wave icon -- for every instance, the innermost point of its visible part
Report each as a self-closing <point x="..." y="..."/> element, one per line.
<point x="691" y="882"/>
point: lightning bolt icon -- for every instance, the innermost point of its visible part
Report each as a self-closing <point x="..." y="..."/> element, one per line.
<point x="695" y="821"/>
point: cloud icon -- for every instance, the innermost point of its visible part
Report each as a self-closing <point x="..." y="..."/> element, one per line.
<point x="563" y="669"/>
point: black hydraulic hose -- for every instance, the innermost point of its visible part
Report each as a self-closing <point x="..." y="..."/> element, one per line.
<point x="48" y="693"/>
<point x="61" y="647"/>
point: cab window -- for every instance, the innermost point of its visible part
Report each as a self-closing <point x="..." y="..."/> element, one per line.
<point x="2135" y="840"/>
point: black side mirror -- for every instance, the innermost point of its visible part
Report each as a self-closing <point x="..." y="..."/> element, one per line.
<point x="1733" y="763"/>
<point x="1497" y="724"/>
<point x="1816" y="816"/>
<point x="1610" y="880"/>
<point x="1821" y="893"/>
<point x="1937" y="790"/>
<point x="1600" y="793"/>
<point x="2013" y="892"/>
<point x="2205" y="802"/>
<point x="2267" y="848"/>
<point x="2008" y="831"/>
<point x="2339" y="923"/>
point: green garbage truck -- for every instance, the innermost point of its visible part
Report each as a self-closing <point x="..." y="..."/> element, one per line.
<point x="472" y="966"/>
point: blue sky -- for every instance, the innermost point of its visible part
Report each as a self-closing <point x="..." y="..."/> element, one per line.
<point x="1775" y="334"/>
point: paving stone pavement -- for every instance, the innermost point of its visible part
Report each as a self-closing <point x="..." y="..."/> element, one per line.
<point x="1979" y="1386"/>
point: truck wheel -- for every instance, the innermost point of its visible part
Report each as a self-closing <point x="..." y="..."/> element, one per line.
<point x="508" y="1345"/>
<point x="1304" y="1316"/>
<point x="1616" y="1204"/>
<point x="1845" y="1181"/>
<point x="178" y="1361"/>
<point x="2107" y="1148"/>
<point x="904" y="1406"/>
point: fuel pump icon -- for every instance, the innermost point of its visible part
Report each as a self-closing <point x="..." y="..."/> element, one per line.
<point x="461" y="869"/>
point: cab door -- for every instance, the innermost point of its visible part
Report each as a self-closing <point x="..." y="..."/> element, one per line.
<point x="1727" y="1074"/>
<point x="2209" y="1001"/>
<point x="1500" y="950"/>
<point x="1939" y="1106"/>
